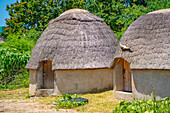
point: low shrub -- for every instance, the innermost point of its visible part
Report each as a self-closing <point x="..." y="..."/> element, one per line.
<point x="144" y="106"/>
<point x="27" y="96"/>
<point x="67" y="101"/>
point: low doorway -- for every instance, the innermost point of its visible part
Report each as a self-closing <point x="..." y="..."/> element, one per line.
<point x="122" y="80"/>
<point x="122" y="76"/>
<point x="127" y="82"/>
<point x="47" y="75"/>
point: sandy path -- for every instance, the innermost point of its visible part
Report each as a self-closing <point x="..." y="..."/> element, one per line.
<point x="23" y="106"/>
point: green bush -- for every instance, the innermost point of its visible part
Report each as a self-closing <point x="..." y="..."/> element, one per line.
<point x="22" y="43"/>
<point x="15" y="53"/>
<point x="65" y="102"/>
<point x="12" y="68"/>
<point x="144" y="106"/>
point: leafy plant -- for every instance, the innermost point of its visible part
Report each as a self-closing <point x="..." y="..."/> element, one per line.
<point x="27" y="96"/>
<point x="22" y="41"/>
<point x="15" y="53"/>
<point x="67" y="101"/>
<point x="144" y="106"/>
<point x="12" y="67"/>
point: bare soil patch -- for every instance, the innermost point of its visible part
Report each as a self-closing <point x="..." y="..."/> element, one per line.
<point x="25" y="106"/>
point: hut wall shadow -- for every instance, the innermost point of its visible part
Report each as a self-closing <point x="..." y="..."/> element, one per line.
<point x="147" y="81"/>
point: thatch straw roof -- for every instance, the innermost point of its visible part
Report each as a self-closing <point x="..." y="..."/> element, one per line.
<point x="74" y="11"/>
<point x="149" y="41"/>
<point x="76" y="40"/>
<point x="160" y="11"/>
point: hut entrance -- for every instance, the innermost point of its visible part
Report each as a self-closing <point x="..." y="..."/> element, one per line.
<point x="48" y="75"/>
<point x="127" y="83"/>
<point x="122" y="76"/>
<point x="122" y="80"/>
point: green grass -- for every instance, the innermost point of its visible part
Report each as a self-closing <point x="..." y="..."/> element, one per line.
<point x="14" y="94"/>
<point x="98" y="102"/>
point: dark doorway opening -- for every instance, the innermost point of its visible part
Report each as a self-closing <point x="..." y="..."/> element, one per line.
<point x="48" y="75"/>
<point x="127" y="79"/>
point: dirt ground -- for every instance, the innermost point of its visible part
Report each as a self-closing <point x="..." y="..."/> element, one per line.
<point x="18" y="101"/>
<point x="25" y="106"/>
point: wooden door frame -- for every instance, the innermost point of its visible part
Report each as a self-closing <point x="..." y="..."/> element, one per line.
<point x="127" y="84"/>
<point x="47" y="62"/>
<point x="118" y="75"/>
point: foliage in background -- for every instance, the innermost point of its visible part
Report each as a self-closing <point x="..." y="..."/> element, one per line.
<point x="28" y="18"/>
<point x="144" y="106"/>
<point x="66" y="103"/>
<point x="15" y="53"/>
<point x="153" y="5"/>
<point x="118" y="14"/>
<point x="12" y="68"/>
<point x="22" y="41"/>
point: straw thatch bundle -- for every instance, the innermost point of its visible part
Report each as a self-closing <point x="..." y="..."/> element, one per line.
<point x="75" y="40"/>
<point x="149" y="41"/>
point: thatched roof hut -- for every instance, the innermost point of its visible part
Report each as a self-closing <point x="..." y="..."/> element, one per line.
<point x="149" y="41"/>
<point x="78" y="44"/>
<point x="145" y="46"/>
<point x="75" y="41"/>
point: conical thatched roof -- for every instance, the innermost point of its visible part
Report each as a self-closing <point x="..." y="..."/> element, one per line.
<point x="160" y="11"/>
<point x="75" y="40"/>
<point x="149" y="41"/>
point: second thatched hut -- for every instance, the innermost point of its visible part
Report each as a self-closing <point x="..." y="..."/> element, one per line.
<point x="142" y="63"/>
<point x="73" y="55"/>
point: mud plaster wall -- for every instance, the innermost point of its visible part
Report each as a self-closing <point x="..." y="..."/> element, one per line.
<point x="33" y="82"/>
<point x="82" y="81"/>
<point x="36" y="80"/>
<point x="147" y="81"/>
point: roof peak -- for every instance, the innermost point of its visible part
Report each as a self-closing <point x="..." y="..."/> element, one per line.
<point x="75" y="11"/>
<point x="160" y="11"/>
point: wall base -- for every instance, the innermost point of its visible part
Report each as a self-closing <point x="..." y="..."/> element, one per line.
<point x="123" y="95"/>
<point x="44" y="92"/>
